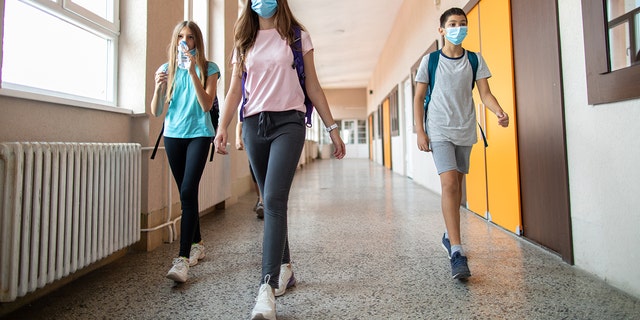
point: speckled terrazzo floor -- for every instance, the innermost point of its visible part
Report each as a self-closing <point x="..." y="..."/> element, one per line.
<point x="365" y="244"/>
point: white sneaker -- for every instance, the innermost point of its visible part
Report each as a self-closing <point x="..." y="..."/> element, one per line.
<point x="286" y="279"/>
<point x="265" y="307"/>
<point x="179" y="270"/>
<point x="197" y="253"/>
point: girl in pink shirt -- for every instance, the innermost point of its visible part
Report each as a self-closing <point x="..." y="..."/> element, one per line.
<point x="274" y="128"/>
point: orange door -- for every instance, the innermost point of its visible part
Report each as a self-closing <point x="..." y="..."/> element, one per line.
<point x="492" y="185"/>
<point x="476" y="180"/>
<point x="386" y="133"/>
<point x="502" y="154"/>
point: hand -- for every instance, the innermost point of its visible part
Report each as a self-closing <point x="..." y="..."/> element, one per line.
<point x="161" y="78"/>
<point x="190" y="65"/>
<point x="220" y="141"/>
<point x="503" y="119"/>
<point x="424" y="142"/>
<point x="239" y="144"/>
<point x="338" y="145"/>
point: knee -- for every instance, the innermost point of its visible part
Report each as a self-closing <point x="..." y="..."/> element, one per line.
<point x="450" y="186"/>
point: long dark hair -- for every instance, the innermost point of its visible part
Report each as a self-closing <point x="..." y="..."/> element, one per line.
<point x="246" y="28"/>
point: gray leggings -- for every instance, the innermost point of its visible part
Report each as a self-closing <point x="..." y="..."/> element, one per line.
<point x="274" y="142"/>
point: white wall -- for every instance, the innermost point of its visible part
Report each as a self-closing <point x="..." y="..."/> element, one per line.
<point x="603" y="153"/>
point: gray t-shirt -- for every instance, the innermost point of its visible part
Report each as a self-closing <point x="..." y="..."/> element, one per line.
<point x="451" y="114"/>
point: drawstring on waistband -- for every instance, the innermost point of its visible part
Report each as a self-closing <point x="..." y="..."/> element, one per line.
<point x="264" y="123"/>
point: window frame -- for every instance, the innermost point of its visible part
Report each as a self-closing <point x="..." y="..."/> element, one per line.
<point x="88" y="21"/>
<point x="604" y="85"/>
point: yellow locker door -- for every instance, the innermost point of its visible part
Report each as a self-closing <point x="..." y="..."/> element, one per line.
<point x="476" y="180"/>
<point x="386" y="133"/>
<point x="502" y="154"/>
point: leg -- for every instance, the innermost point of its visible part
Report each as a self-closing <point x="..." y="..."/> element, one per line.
<point x="274" y="155"/>
<point x="193" y="156"/>
<point x="451" y="182"/>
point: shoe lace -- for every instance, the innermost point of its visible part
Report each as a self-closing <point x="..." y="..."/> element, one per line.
<point x="180" y="263"/>
<point x="196" y="250"/>
<point x="263" y="295"/>
<point x="458" y="260"/>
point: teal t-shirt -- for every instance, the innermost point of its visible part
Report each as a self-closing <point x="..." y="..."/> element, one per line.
<point x="185" y="118"/>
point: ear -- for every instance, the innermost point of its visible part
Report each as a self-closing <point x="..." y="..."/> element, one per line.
<point x="441" y="31"/>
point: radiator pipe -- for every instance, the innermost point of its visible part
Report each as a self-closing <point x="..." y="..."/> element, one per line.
<point x="171" y="224"/>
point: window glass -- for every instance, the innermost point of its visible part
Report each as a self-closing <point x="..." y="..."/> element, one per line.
<point x="349" y="131"/>
<point x="362" y="132"/>
<point x="623" y="17"/>
<point x="50" y="51"/>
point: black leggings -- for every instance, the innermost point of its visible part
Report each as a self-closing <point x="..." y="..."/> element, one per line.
<point x="274" y="142"/>
<point x="187" y="158"/>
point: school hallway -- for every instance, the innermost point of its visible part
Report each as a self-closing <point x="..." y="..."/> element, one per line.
<point x="365" y="244"/>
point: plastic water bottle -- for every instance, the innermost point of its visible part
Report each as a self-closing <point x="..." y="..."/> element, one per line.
<point x="183" y="60"/>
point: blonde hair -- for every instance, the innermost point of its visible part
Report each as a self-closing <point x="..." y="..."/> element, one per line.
<point x="247" y="26"/>
<point x="172" y="52"/>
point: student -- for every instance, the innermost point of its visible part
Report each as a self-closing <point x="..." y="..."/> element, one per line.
<point x="273" y="127"/>
<point x="451" y="124"/>
<point x="258" y="208"/>
<point x="187" y="90"/>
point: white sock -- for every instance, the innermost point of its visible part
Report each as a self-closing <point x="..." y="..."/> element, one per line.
<point x="456" y="248"/>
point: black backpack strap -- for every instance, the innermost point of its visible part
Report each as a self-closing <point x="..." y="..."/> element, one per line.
<point x="155" y="149"/>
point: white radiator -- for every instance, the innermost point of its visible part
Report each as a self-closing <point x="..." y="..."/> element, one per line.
<point x="63" y="207"/>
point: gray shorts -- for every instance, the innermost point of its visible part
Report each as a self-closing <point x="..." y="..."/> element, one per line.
<point x="449" y="156"/>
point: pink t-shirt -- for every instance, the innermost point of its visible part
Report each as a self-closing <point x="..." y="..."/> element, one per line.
<point x="272" y="81"/>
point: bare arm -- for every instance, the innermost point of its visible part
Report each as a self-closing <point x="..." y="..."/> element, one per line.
<point x="230" y="109"/>
<point x="159" y="94"/>
<point x="489" y="100"/>
<point x="204" y="95"/>
<point x="239" y="142"/>
<point x="319" y="100"/>
<point x="418" y="116"/>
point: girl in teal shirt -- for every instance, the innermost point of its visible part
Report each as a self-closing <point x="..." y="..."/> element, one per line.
<point x="187" y="90"/>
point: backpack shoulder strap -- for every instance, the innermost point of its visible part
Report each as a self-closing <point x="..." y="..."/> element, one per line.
<point x="473" y="59"/>
<point x="155" y="148"/>
<point x="298" y="63"/>
<point x="434" y="57"/>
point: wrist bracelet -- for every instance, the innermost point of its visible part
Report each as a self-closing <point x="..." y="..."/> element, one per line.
<point x="331" y="127"/>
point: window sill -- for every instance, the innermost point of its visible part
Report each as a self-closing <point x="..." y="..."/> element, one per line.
<point x="62" y="101"/>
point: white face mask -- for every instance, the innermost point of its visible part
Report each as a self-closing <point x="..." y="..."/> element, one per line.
<point x="456" y="35"/>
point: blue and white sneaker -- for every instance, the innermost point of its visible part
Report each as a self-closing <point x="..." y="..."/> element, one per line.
<point x="459" y="267"/>
<point x="446" y="244"/>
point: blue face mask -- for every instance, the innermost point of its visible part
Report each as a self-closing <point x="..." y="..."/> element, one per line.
<point x="455" y="35"/>
<point x="264" y="8"/>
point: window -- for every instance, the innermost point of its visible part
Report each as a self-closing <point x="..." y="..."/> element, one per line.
<point x="198" y="11"/>
<point x="62" y="48"/>
<point x="349" y="131"/>
<point x="624" y="31"/>
<point x="394" y="113"/>
<point x="362" y="132"/>
<point x="612" y="52"/>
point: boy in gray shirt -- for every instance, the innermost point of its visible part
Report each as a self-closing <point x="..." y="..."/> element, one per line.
<point x="450" y="129"/>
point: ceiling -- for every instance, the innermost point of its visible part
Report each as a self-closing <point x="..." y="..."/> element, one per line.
<point x="348" y="37"/>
